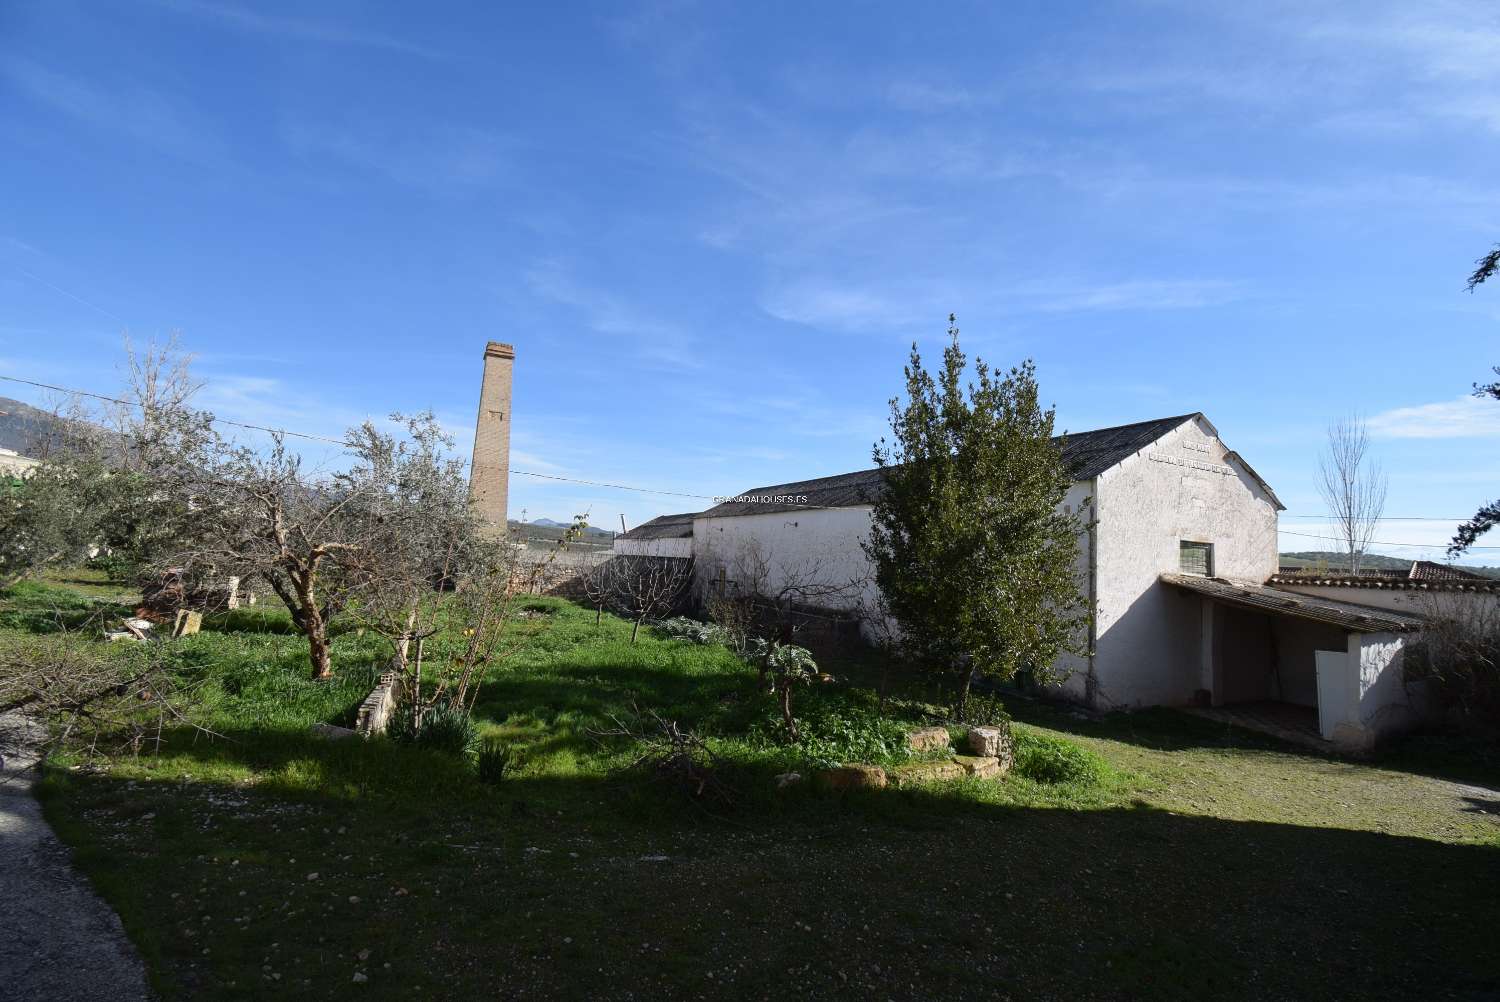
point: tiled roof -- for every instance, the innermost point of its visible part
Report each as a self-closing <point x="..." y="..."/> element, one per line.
<point x="1346" y="615"/>
<point x="663" y="527"/>
<point x="1344" y="580"/>
<point x="1087" y="454"/>
<point x="1428" y="570"/>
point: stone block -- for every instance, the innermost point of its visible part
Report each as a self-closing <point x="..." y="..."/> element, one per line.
<point x="332" y="732"/>
<point x="787" y="779"/>
<point x="988" y="742"/>
<point x="853" y="777"/>
<point x="928" y="739"/>
<point x="926" y="772"/>
<point x="187" y="623"/>
<point x="983" y="766"/>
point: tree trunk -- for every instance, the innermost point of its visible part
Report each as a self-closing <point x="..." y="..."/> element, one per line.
<point x="403" y="642"/>
<point x="598" y="614"/>
<point x="786" y="711"/>
<point x="885" y="681"/>
<point x="317" y="646"/>
<point x="314" y="626"/>
<point x="965" y="680"/>
<point x="634" y="629"/>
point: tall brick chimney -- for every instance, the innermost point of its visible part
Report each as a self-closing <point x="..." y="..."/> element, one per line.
<point x="489" y="471"/>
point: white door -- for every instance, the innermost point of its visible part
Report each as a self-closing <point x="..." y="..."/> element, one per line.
<point x="1333" y="690"/>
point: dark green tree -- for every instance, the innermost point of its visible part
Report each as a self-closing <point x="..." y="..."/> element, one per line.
<point x="54" y="516"/>
<point x="973" y="552"/>
<point x="1487" y="517"/>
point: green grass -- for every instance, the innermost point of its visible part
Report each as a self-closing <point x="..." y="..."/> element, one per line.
<point x="1174" y="859"/>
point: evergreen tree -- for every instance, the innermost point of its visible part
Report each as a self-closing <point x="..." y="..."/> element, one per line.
<point x="972" y="549"/>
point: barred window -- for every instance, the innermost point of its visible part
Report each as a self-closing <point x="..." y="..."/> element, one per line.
<point x="1196" y="558"/>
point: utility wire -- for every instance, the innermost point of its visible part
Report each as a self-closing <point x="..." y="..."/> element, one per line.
<point x="1392" y="518"/>
<point x="648" y="490"/>
<point x="217" y="420"/>
<point x="336" y="441"/>
<point x="1377" y="542"/>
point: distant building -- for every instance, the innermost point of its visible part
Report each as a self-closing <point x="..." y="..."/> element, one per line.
<point x="664" y="536"/>
<point x="1180" y="545"/>
<point x="13" y="464"/>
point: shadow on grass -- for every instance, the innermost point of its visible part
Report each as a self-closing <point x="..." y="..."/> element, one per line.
<point x="1470" y="759"/>
<point x="826" y="896"/>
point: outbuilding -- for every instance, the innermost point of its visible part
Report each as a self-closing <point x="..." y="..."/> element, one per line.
<point x="1179" y="542"/>
<point x="663" y="536"/>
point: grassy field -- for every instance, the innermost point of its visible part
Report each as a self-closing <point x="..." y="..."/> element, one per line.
<point x="1200" y="862"/>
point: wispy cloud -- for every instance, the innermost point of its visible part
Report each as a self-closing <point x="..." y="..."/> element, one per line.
<point x="835" y="306"/>
<point x="439" y="158"/>
<point x="911" y="94"/>
<point x="1384" y="66"/>
<point x="138" y="112"/>
<point x="660" y="343"/>
<point x="1465" y="417"/>
<point x="852" y="307"/>
<point x="296" y="29"/>
<point x="1141" y="294"/>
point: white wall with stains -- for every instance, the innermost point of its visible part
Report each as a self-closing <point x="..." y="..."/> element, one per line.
<point x="1184" y="486"/>
<point x="680" y="547"/>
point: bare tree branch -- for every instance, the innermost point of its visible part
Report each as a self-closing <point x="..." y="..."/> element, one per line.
<point x="1352" y="486"/>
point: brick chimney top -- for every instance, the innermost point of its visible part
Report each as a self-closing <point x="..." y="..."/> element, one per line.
<point x="497" y="350"/>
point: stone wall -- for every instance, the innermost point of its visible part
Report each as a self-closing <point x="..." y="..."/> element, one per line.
<point x="375" y="712"/>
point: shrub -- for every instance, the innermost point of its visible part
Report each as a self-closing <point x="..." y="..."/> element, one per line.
<point x="116" y="566"/>
<point x="834" y="731"/>
<point x="493" y="760"/>
<point x="1459" y="656"/>
<point x="987" y="710"/>
<point x="1047" y="759"/>
<point x="683" y="628"/>
<point x="443" y="726"/>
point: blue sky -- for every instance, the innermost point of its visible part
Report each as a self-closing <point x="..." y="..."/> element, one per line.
<point x="713" y="230"/>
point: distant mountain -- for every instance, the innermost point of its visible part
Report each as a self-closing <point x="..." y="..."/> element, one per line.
<point x="23" y="428"/>
<point x="1332" y="560"/>
<point x="550" y="529"/>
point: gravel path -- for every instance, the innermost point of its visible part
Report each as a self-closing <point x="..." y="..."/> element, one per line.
<point x="58" y="940"/>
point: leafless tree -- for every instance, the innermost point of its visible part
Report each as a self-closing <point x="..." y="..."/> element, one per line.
<point x="643" y="587"/>
<point x="781" y="585"/>
<point x="1352" y="486"/>
<point x="66" y="688"/>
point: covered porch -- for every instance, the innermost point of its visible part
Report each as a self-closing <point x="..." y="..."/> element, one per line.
<point x="1304" y="668"/>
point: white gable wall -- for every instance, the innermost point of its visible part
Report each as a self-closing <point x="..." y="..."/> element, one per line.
<point x="1184" y="486"/>
<point x="671" y="547"/>
<point x="822" y="545"/>
<point x="1148" y="638"/>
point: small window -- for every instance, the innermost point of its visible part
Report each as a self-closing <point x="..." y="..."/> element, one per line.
<point x="1196" y="558"/>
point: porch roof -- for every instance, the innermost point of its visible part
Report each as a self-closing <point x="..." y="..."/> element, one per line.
<point x="1345" y="615"/>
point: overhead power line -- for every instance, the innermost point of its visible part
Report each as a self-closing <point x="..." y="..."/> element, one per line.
<point x="1376" y="542"/>
<point x="336" y="441"/>
<point x="1389" y="518"/>
<point x="649" y="490"/>
<point x="217" y="420"/>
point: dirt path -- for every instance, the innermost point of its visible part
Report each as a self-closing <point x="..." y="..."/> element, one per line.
<point x="58" y="940"/>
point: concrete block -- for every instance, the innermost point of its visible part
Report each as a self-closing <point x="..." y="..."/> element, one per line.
<point x="928" y="739"/>
<point x="853" y="777"/>
<point x="926" y="772"/>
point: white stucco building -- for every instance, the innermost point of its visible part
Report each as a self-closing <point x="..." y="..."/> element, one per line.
<point x="1180" y="543"/>
<point x="663" y="536"/>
